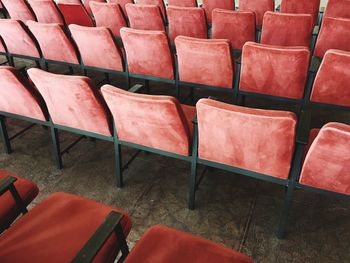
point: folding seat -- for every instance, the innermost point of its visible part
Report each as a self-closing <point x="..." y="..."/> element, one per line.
<point x="145" y="17"/>
<point x="46" y="11"/>
<point x="259" y="7"/>
<point x="302" y="7"/>
<point x="18" y="10"/>
<point x="159" y="3"/>
<point x="186" y="21"/>
<point x="158" y="124"/>
<point x="210" y="5"/>
<point x="281" y="29"/>
<point x="109" y="15"/>
<point x="185" y="248"/>
<point x="238" y="27"/>
<point x="122" y="4"/>
<point x="183" y="3"/>
<point x="75" y="13"/>
<point x="337" y="9"/>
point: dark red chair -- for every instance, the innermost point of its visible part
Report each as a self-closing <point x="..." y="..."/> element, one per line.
<point x="122" y="4"/>
<point x="259" y="7"/>
<point x="46" y="11"/>
<point x="145" y="17"/>
<point x="210" y="5"/>
<point x="75" y="13"/>
<point x="159" y="3"/>
<point x="310" y="7"/>
<point x="18" y="10"/>
<point x="183" y="3"/>
<point x="337" y="9"/>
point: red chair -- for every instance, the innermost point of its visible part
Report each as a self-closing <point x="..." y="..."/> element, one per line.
<point x="186" y="21"/>
<point x="238" y="27"/>
<point x="145" y="17"/>
<point x="210" y="5"/>
<point x="75" y="13"/>
<point x="337" y="9"/>
<point x="259" y="7"/>
<point x="122" y="4"/>
<point x="159" y="3"/>
<point x="87" y="4"/>
<point x="46" y="11"/>
<point x="183" y="3"/>
<point x="310" y="7"/>
<point x="18" y="10"/>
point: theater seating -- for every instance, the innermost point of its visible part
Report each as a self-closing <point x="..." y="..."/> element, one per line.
<point x="210" y="5"/>
<point x="159" y="3"/>
<point x="75" y="13"/>
<point x="122" y="4"/>
<point x="18" y="10"/>
<point x="46" y="11"/>
<point x="259" y="7"/>
<point x="302" y="7"/>
<point x="88" y="2"/>
<point x="145" y="17"/>
<point x="183" y="3"/>
<point x="337" y="9"/>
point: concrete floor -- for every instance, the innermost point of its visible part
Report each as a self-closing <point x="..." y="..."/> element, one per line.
<point x="237" y="211"/>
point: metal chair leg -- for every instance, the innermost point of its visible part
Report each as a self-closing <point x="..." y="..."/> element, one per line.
<point x="56" y="148"/>
<point x="4" y="136"/>
<point x="285" y="211"/>
<point x="118" y="162"/>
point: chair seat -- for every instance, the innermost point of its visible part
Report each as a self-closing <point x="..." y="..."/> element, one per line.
<point x="57" y="229"/>
<point x="161" y="244"/>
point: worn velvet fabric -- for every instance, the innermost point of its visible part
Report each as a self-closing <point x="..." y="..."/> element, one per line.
<point x="87" y="4"/>
<point x="97" y="47"/>
<point x="327" y="163"/>
<point x="162" y="244"/>
<point x="238" y="27"/>
<point x="75" y="14"/>
<point x="122" y="4"/>
<point x="148" y="53"/>
<point x="210" y="5"/>
<point x="273" y="70"/>
<point x="72" y="101"/>
<point x="257" y="140"/>
<point x="334" y="34"/>
<point x="9" y="210"/>
<point x="259" y="7"/>
<point x="183" y="3"/>
<point x="337" y="8"/>
<point x="205" y="61"/>
<point x="18" y="10"/>
<point x="53" y="42"/>
<point x="145" y="17"/>
<point x="301" y="7"/>
<point x="187" y="21"/>
<point x="46" y="11"/>
<point x="281" y="29"/>
<point x="62" y="224"/>
<point x="158" y="122"/>
<point x="159" y="3"/>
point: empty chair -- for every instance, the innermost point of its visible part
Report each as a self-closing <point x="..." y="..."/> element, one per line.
<point x="18" y="10"/>
<point x="210" y="5"/>
<point x="183" y="3"/>
<point x="87" y="4"/>
<point x="75" y="13"/>
<point x="259" y="7"/>
<point x="108" y="15"/>
<point x="286" y="29"/>
<point x="187" y="21"/>
<point x="46" y="11"/>
<point x="310" y="7"/>
<point x="122" y="4"/>
<point x="159" y="3"/>
<point x="338" y="9"/>
<point x="238" y="27"/>
<point x="145" y="17"/>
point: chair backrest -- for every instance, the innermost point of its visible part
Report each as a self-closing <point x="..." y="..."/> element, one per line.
<point x="72" y="101"/>
<point x="17" y="39"/>
<point x="310" y="7"/>
<point x="149" y="120"/>
<point x="75" y="13"/>
<point x="18" y="10"/>
<point x="327" y="164"/>
<point x="187" y="21"/>
<point x="282" y="29"/>
<point x="108" y="15"/>
<point x="210" y="5"/>
<point x="159" y="3"/>
<point x="238" y="27"/>
<point x="332" y="82"/>
<point x="273" y="70"/>
<point x="148" y="53"/>
<point x="145" y="17"/>
<point x="338" y="9"/>
<point x="122" y="4"/>
<point x="257" y="140"/>
<point x="259" y="7"/>
<point x="334" y="34"/>
<point x="17" y="96"/>
<point x="183" y="3"/>
<point x="205" y="61"/>
<point x="87" y="4"/>
<point x="97" y="47"/>
<point x="54" y="43"/>
<point x="46" y="11"/>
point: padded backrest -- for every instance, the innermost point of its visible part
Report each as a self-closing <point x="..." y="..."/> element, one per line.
<point x="159" y="3"/>
<point x="122" y="4"/>
<point x="108" y="15"/>
<point x="183" y="3"/>
<point x="338" y="9"/>
<point x="332" y="82"/>
<point x="75" y="14"/>
<point x="46" y="11"/>
<point x="310" y="7"/>
<point x="273" y="70"/>
<point x="238" y="27"/>
<point x="150" y="120"/>
<point x="148" y="53"/>
<point x="72" y="101"/>
<point x="205" y="61"/>
<point x="259" y="7"/>
<point x="87" y="4"/>
<point x="187" y="21"/>
<point x="327" y="163"/>
<point x="281" y="29"/>
<point x="97" y="47"/>
<point x="258" y="140"/>
<point x="210" y="5"/>
<point x="334" y="34"/>
<point x="54" y="43"/>
<point x="18" y="10"/>
<point x="145" y="17"/>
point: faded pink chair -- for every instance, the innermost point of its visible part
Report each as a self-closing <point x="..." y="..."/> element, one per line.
<point x="210" y="5"/>
<point x="281" y="29"/>
<point x="183" y="3"/>
<point x="18" y="10"/>
<point x="337" y="9"/>
<point x="46" y="11"/>
<point x="122" y="4"/>
<point x="186" y="21"/>
<point x="238" y="27"/>
<point x="159" y="3"/>
<point x="75" y="13"/>
<point x="87" y="4"/>
<point x="145" y="17"/>
<point x="310" y="7"/>
<point x="259" y="7"/>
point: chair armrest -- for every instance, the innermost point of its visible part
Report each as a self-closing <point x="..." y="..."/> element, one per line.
<point x="304" y="126"/>
<point x="322" y="8"/>
<point x="136" y="88"/>
<point x="278" y="8"/>
<point x="194" y="120"/>
<point x="6" y="183"/>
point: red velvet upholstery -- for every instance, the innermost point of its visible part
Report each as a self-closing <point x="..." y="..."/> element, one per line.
<point x="54" y="43"/>
<point x="183" y="3"/>
<point x="210" y="5"/>
<point x="281" y="29"/>
<point x="46" y="11"/>
<point x="154" y="121"/>
<point x="258" y="140"/>
<point x="16" y="39"/>
<point x="327" y="164"/>
<point x="109" y="15"/>
<point x="18" y="10"/>
<point x="180" y="247"/>
<point x="259" y="7"/>
<point x="97" y="47"/>
<point x="276" y="71"/>
<point x="8" y="207"/>
<point x="87" y="4"/>
<point x="238" y="27"/>
<point x="338" y="8"/>
<point x="302" y="7"/>
<point x="159" y="3"/>
<point x="55" y="230"/>
<point x="122" y="4"/>
<point x="145" y="17"/>
<point x="72" y="101"/>
<point x="334" y="34"/>
<point x="205" y="61"/>
<point x="148" y="53"/>
<point x="187" y="21"/>
<point x="332" y="82"/>
<point x="18" y="96"/>
<point x="75" y="14"/>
